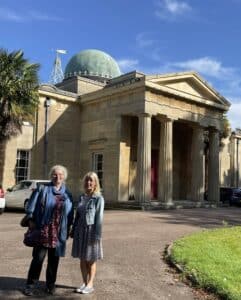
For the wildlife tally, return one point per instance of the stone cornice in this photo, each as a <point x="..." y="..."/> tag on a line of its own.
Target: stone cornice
<point x="55" y="93"/>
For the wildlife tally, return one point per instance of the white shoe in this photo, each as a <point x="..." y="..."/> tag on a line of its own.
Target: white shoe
<point x="87" y="290"/>
<point x="80" y="289"/>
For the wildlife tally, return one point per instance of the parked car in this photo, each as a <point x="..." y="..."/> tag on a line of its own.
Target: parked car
<point x="18" y="196"/>
<point x="2" y="200"/>
<point x="230" y="195"/>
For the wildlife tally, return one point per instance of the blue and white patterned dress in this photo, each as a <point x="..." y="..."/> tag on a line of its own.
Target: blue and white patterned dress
<point x="85" y="246"/>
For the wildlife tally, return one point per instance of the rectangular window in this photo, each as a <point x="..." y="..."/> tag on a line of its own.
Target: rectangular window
<point x="97" y="166"/>
<point x="22" y="165"/>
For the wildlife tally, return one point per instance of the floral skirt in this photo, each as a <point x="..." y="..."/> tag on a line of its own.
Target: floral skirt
<point x="85" y="247"/>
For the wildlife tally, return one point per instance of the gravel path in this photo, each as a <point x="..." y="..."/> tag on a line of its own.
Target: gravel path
<point x="132" y="268"/>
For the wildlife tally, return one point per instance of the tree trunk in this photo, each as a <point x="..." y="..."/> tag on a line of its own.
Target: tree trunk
<point x="2" y="158"/>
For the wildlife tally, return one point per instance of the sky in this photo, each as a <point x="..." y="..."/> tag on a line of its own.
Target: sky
<point x="150" y="36"/>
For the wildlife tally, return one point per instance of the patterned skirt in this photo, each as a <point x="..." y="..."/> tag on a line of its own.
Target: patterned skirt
<point x="85" y="247"/>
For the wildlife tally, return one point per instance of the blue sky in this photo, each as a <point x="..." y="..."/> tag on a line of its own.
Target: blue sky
<point x="151" y="36"/>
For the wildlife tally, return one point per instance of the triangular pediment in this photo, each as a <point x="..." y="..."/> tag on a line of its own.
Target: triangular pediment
<point x="188" y="84"/>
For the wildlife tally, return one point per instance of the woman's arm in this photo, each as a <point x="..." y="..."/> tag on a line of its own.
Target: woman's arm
<point x="99" y="217"/>
<point x="32" y="202"/>
<point x="75" y="219"/>
<point x="71" y="211"/>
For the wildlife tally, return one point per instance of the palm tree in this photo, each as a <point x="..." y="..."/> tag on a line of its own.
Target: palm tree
<point x="18" y="96"/>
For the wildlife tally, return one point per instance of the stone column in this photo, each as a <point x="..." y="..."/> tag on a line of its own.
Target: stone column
<point x="143" y="189"/>
<point x="197" y="164"/>
<point x="165" y="180"/>
<point x="233" y="160"/>
<point x="213" y="166"/>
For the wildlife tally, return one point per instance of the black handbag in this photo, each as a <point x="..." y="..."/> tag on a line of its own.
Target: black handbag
<point x="24" y="221"/>
<point x="32" y="237"/>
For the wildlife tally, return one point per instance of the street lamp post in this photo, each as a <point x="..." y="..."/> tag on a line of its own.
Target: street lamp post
<point x="47" y="103"/>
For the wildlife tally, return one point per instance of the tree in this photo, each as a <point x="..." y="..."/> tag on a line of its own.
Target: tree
<point x="18" y="96"/>
<point x="226" y="127"/>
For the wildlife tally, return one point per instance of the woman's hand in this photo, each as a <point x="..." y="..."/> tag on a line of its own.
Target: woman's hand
<point x="71" y="233"/>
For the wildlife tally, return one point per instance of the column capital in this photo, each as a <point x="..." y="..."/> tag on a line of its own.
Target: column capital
<point x="164" y="119"/>
<point x="143" y="115"/>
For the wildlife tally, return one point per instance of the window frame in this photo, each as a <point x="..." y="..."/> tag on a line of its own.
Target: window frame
<point x="95" y="167"/>
<point x="22" y="164"/>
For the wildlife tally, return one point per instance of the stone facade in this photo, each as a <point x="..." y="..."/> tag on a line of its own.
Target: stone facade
<point x="23" y="142"/>
<point x="148" y="131"/>
<point x="143" y="134"/>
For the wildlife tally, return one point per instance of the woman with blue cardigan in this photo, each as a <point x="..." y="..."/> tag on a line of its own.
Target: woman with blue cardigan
<point x="50" y="210"/>
<point x="87" y="233"/>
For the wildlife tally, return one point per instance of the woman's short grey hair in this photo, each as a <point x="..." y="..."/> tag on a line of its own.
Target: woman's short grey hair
<point x="60" y="168"/>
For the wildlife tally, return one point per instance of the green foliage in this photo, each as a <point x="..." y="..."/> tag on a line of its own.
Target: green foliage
<point x="226" y="127"/>
<point x="18" y="91"/>
<point x="212" y="259"/>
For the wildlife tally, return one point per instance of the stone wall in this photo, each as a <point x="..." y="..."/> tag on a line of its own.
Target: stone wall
<point x="24" y="141"/>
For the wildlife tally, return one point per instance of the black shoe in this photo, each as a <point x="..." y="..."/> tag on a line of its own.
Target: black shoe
<point x="50" y="290"/>
<point x="29" y="290"/>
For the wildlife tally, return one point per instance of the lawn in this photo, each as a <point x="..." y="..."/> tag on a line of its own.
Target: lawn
<point x="212" y="258"/>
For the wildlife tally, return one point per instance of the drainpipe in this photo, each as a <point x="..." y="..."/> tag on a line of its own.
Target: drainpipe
<point x="47" y="103"/>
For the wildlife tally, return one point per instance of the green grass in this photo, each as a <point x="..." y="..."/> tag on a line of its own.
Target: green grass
<point x="213" y="260"/>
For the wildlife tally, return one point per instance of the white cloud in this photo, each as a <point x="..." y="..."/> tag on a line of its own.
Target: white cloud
<point x="150" y="46"/>
<point x="9" y="15"/>
<point x="34" y="15"/>
<point x="143" y="40"/>
<point x="171" y="9"/>
<point x="206" y="66"/>
<point x="127" y="65"/>
<point x="234" y="114"/>
<point x="14" y="16"/>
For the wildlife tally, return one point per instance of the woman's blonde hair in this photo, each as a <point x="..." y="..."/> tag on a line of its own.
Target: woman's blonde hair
<point x="94" y="176"/>
<point x="61" y="168"/>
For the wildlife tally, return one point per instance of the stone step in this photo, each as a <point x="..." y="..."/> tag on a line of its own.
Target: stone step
<point x="155" y="205"/>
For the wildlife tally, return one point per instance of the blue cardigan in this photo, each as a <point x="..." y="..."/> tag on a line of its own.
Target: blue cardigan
<point x="41" y="206"/>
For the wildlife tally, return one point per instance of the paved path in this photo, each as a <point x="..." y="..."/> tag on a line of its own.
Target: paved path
<point x="133" y="268"/>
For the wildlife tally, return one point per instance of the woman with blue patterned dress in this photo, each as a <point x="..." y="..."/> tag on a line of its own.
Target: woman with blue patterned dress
<point x="50" y="210"/>
<point x="87" y="231"/>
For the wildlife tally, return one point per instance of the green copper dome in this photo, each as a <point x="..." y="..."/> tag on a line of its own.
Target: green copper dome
<point x="92" y="64"/>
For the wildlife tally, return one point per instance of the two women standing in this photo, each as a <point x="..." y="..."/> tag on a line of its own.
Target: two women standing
<point x="50" y="210"/>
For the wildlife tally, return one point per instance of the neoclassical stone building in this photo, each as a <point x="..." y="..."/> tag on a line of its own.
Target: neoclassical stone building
<point x="143" y="134"/>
